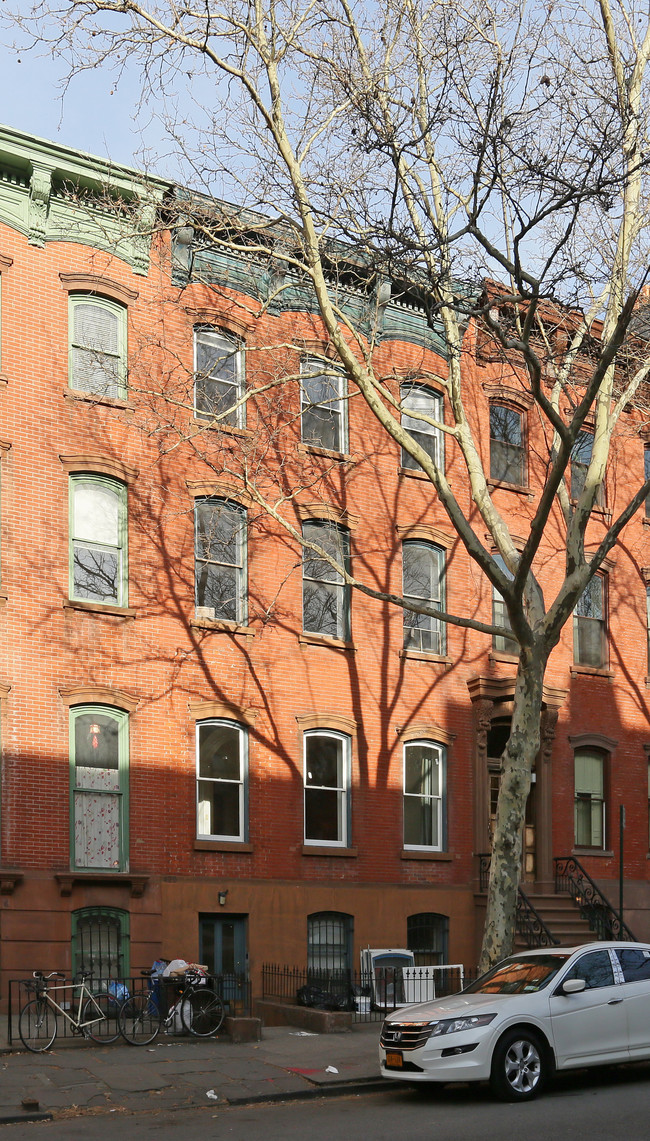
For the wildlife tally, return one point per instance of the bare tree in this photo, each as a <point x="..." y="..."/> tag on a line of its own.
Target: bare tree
<point x="487" y="161"/>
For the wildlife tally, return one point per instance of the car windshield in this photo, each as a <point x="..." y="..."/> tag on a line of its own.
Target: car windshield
<point x="518" y="975"/>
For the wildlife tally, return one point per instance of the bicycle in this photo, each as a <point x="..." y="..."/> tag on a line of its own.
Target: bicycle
<point x="96" y="1014"/>
<point x="201" y="1011"/>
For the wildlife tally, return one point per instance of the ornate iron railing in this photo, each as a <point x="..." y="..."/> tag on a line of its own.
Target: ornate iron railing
<point x="571" y="877"/>
<point x="529" y="924"/>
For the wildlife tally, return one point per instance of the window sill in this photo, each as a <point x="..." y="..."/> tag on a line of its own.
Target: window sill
<point x="220" y="625"/>
<point x="508" y="659"/>
<point x="216" y="425"/>
<point x="326" y="850"/>
<point x="411" y="474"/>
<point x="9" y="880"/>
<point x="3" y="597"/>
<point x="600" y="852"/>
<point x="426" y="656"/>
<point x="326" y="453"/>
<point x="325" y="640"/>
<point x="222" y="846"/>
<point x="591" y="671"/>
<point x="423" y="854"/>
<point x="136" y="881"/>
<point x="645" y="519"/>
<point x="99" y="608"/>
<point x="604" y="512"/>
<point x="96" y="398"/>
<point x="518" y="488"/>
<point x="4" y="380"/>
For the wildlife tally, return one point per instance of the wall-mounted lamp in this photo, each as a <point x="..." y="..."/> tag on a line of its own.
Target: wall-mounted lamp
<point x="223" y="896"/>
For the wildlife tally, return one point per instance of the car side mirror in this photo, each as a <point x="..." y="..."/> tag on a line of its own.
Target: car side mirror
<point x="573" y="986"/>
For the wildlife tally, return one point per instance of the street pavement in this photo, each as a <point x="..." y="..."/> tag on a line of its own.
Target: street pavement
<point x="176" y="1073"/>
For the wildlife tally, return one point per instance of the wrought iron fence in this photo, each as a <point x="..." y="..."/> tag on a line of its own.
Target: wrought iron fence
<point x="234" y="989"/>
<point x="368" y="997"/>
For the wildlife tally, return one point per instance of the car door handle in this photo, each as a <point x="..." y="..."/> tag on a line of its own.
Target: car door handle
<point x="614" y="1001"/>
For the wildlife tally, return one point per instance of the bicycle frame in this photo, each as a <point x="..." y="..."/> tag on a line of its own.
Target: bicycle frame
<point x="84" y="994"/>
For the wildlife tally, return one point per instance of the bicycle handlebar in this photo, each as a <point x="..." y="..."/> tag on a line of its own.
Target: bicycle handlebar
<point x="52" y="975"/>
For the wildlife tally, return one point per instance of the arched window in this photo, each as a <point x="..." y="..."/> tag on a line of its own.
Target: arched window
<point x="99" y="765"/>
<point x="419" y="402"/>
<point x="424" y="795"/>
<point x="100" y="943"/>
<point x="218" y="377"/>
<point x="221" y="780"/>
<point x="98" y="540"/>
<point x="329" y="943"/>
<point x="97" y="346"/>
<point x="423" y="567"/>
<point x="327" y="787"/>
<point x="427" y="935"/>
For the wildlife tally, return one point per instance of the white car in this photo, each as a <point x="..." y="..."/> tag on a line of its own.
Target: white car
<point x="550" y="1009"/>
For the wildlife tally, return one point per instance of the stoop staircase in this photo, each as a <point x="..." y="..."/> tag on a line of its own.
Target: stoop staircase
<point x="576" y="912"/>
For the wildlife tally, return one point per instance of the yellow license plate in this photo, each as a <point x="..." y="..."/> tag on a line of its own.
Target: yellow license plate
<point x="394" y="1061"/>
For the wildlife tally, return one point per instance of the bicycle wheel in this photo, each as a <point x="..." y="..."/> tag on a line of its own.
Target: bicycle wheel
<point x="107" y="1029"/>
<point x="37" y="1025"/>
<point x="139" y="1019"/>
<point x="202" y="1012"/>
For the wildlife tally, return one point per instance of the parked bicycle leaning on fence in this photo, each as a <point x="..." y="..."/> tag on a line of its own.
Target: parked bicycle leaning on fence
<point x="198" y="1008"/>
<point x="94" y="1016"/>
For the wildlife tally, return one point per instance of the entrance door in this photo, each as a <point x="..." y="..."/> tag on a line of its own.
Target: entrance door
<point x="496" y="742"/>
<point x="222" y="947"/>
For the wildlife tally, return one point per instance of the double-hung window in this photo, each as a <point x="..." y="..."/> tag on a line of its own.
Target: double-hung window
<point x="424" y="795"/>
<point x="506" y="445"/>
<point x="98" y="540"/>
<point x="580" y="460"/>
<point x="327" y="787"/>
<point x="99" y="744"/>
<point x="500" y="617"/>
<point x="589" y="799"/>
<point x="589" y="625"/>
<point x="423" y="568"/>
<point x="97" y="362"/>
<point x="220" y="560"/>
<point x="322" y="405"/>
<point x="218" y="377"/>
<point x="325" y="594"/>
<point x="419" y="402"/>
<point x="221" y="780"/>
<point x="646" y="475"/>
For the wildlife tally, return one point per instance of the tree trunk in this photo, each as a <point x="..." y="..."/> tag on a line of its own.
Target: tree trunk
<point x="516" y="768"/>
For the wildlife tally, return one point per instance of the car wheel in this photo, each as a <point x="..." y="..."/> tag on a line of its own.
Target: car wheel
<point x="519" y="1067"/>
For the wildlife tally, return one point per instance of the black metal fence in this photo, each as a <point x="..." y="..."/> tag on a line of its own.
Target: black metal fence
<point x="368" y="997"/>
<point x="235" y="990"/>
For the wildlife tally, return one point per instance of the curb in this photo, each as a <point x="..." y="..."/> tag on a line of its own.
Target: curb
<point x="15" y="1118"/>
<point x="332" y="1089"/>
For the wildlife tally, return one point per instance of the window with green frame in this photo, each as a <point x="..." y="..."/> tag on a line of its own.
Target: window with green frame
<point x="97" y="348"/>
<point x="100" y="943"/>
<point x="99" y="787"/>
<point x="98" y="540"/>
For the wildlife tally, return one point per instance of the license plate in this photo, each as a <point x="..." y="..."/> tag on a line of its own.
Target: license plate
<point x="394" y="1061"/>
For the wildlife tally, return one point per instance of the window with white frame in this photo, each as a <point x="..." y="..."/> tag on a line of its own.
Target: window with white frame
<point x="646" y="475"/>
<point x="220" y="560"/>
<point x="580" y="460"/>
<point x="99" y="769"/>
<point x="327" y="787"/>
<point x="97" y="332"/>
<point x="325" y="594"/>
<point x="424" y="795"/>
<point x="322" y="405"/>
<point x="590" y="626"/>
<point x="221" y="780"/>
<point x="218" y="377"/>
<point x="423" y="567"/>
<point x="420" y="406"/>
<point x="98" y="540"/>
<point x="589" y="768"/>
<point x="500" y="617"/>
<point x="507" y="456"/>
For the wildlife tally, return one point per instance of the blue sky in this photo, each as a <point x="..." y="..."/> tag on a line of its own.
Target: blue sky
<point x="94" y="115"/>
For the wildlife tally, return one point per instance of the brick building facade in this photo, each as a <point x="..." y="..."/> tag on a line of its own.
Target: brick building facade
<point x="210" y="750"/>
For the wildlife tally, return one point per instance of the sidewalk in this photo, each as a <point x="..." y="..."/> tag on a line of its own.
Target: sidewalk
<point x="177" y="1073"/>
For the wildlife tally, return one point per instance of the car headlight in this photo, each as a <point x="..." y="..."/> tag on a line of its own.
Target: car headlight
<point x="456" y="1025"/>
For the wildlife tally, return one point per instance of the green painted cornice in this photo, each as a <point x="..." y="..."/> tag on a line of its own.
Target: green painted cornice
<point x="52" y="193"/>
